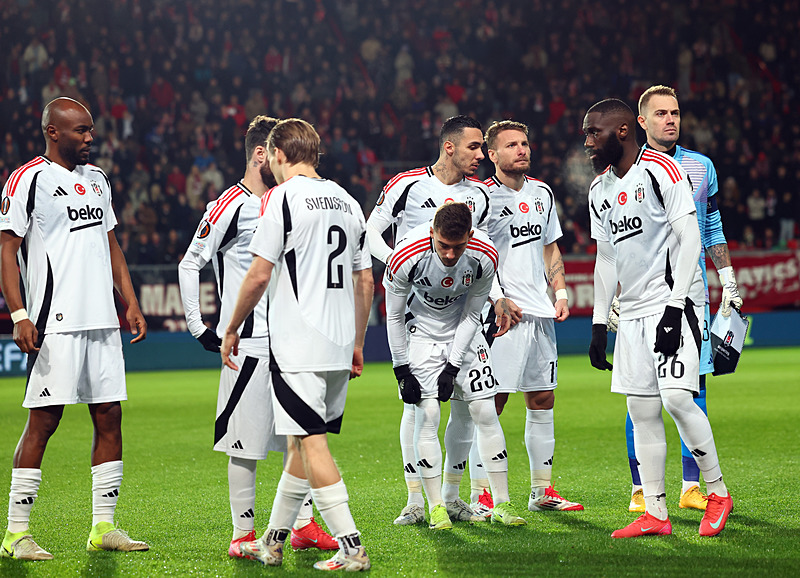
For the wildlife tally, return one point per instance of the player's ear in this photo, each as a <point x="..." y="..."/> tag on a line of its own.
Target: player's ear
<point x="622" y="131"/>
<point x="492" y="154"/>
<point x="642" y="122"/>
<point x="52" y="132"/>
<point x="471" y="232"/>
<point x="431" y="231"/>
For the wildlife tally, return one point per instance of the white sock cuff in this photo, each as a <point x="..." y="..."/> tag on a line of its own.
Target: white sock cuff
<point x="539" y="415"/>
<point x="246" y="464"/>
<point x="330" y="496"/>
<point x="107" y="468"/>
<point x="107" y="475"/>
<point x="26" y="477"/>
<point x="293" y="486"/>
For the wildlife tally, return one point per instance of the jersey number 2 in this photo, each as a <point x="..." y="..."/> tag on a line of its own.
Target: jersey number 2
<point x="336" y="272"/>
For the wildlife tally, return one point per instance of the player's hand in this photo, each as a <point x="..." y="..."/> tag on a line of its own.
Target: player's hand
<point x="137" y="323"/>
<point x="597" y="349"/>
<point x="25" y="336"/>
<point x="410" y="390"/>
<point x="668" y="332"/>
<point x="358" y="363"/>
<point x="230" y="343"/>
<point x="210" y="341"/>
<point x="613" y="316"/>
<point x="730" y="292"/>
<point x="507" y="314"/>
<point x="562" y="310"/>
<point x="447" y="381"/>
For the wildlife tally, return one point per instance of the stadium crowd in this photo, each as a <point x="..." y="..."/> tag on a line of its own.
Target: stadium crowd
<point x="173" y="85"/>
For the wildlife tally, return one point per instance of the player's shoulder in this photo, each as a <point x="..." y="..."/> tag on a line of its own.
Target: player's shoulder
<point x="534" y="184"/>
<point x="411" y="248"/>
<point x="24" y="173"/>
<point x="697" y="157"/>
<point x="662" y="166"/>
<point x="481" y="247"/>
<point x="402" y="180"/>
<point x="224" y="207"/>
<point x="476" y="183"/>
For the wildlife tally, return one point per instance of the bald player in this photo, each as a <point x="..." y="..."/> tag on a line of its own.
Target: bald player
<point x="57" y="232"/>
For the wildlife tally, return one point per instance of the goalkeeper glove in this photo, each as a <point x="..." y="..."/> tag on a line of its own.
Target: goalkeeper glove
<point x="447" y="381"/>
<point x="613" y="316"/>
<point x="597" y="349"/>
<point x="210" y="341"/>
<point x="668" y="332"/>
<point x="410" y="390"/>
<point x="730" y="292"/>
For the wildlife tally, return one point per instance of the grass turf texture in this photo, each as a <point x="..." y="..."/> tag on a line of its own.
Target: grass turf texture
<point x="174" y="494"/>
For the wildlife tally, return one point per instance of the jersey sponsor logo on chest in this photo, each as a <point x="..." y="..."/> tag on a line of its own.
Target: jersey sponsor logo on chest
<point x="627" y="227"/>
<point x="529" y="232"/>
<point x="440" y="302"/>
<point x="87" y="213"/>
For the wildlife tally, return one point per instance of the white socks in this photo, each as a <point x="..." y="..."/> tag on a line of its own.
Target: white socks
<point x="540" y="441"/>
<point x="650" y="443"/>
<point x="457" y="442"/>
<point x="106" y="480"/>
<point x="332" y="505"/>
<point x="428" y="450"/>
<point x="695" y="430"/>
<point x="411" y="473"/>
<point x="242" y="495"/>
<point x="289" y="497"/>
<point x="24" y="491"/>
<point x="492" y="447"/>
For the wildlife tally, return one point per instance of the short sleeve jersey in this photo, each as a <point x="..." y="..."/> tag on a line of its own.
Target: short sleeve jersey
<point x="521" y="223"/>
<point x="315" y="234"/>
<point x="64" y="218"/>
<point x="223" y="238"/>
<point x="437" y="293"/>
<point x="634" y="214"/>
<point x="411" y="198"/>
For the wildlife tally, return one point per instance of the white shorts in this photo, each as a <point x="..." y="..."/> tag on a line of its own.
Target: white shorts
<point x="640" y="371"/>
<point x="475" y="379"/>
<point x="76" y="367"/>
<point x="526" y="358"/>
<point x="245" y="424"/>
<point x="309" y="403"/>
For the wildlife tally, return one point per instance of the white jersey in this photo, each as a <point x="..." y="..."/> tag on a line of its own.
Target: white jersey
<point x="438" y="293"/>
<point x="315" y="234"/>
<point x="411" y="198"/>
<point x="633" y="214"/>
<point x="64" y="218"/>
<point x="521" y="223"/>
<point x="223" y="238"/>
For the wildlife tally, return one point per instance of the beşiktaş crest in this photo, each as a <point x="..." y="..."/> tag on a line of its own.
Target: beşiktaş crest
<point x="639" y="194"/>
<point x="96" y="188"/>
<point x="539" y="206"/>
<point x="483" y="355"/>
<point x="470" y="202"/>
<point x="468" y="278"/>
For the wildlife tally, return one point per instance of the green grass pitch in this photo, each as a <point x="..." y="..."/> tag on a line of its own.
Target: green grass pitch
<point x="175" y="491"/>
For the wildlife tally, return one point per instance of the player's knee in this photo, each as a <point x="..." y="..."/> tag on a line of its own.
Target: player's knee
<point x="538" y="400"/>
<point x="678" y="402"/>
<point x="483" y="413"/>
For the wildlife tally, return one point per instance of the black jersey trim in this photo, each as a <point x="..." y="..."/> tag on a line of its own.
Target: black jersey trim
<point x="287" y="218"/>
<point x="491" y="327"/>
<point x="221" y="423"/>
<point x="32" y="357"/>
<point x="291" y="266"/>
<point x="656" y="187"/>
<point x="400" y="204"/>
<point x="47" y="302"/>
<point x="32" y="195"/>
<point x="694" y="323"/>
<point x="668" y="273"/>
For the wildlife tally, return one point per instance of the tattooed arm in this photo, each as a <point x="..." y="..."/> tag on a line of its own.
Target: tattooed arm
<point x="554" y="268"/>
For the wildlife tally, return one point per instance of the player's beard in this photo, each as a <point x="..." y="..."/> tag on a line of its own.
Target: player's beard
<point x="267" y="177"/>
<point x="75" y="156"/>
<point x="512" y="168"/>
<point x="610" y="154"/>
